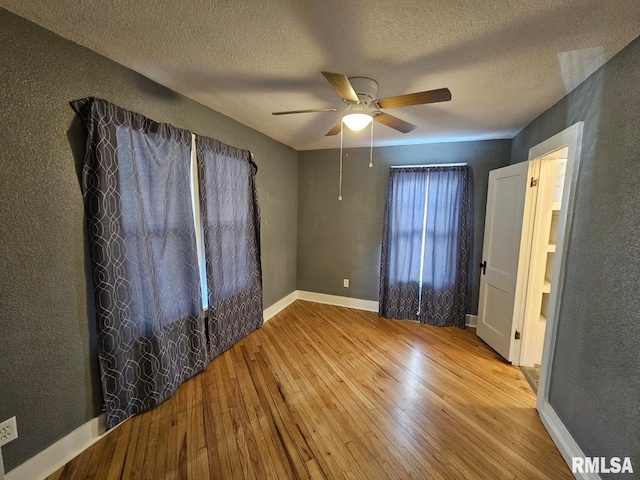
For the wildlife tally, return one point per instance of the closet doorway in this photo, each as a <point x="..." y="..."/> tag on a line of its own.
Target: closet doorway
<point x="550" y="170"/>
<point x="527" y="229"/>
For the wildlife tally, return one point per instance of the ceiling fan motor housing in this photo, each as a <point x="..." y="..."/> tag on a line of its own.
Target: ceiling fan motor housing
<point x="366" y="88"/>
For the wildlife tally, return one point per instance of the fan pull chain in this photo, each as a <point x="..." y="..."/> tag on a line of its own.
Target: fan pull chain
<point x="371" y="150"/>
<point x="340" y="185"/>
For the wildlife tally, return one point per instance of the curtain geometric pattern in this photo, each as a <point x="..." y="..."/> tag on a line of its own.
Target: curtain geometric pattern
<point x="151" y="330"/>
<point x="402" y="244"/>
<point x="231" y="223"/>
<point x="426" y="245"/>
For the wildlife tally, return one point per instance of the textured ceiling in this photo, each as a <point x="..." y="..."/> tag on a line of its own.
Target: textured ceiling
<point x="505" y="61"/>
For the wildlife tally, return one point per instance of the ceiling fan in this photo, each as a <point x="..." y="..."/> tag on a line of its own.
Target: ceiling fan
<point x="359" y="93"/>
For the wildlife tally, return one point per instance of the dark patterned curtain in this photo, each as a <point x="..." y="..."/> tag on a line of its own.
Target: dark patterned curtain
<point x="151" y="331"/>
<point x="425" y="245"/>
<point x="231" y="221"/>
<point x="402" y="244"/>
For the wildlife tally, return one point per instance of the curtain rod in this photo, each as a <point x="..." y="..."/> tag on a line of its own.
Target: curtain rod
<point x="432" y="165"/>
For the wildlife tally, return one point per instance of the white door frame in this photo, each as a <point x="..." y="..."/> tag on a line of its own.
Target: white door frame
<point x="571" y="138"/>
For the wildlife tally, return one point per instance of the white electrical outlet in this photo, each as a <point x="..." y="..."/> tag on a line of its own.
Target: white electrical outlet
<point x="345" y="283"/>
<point x="8" y="431"/>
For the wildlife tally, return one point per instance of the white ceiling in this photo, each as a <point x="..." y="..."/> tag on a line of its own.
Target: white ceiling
<point x="504" y="61"/>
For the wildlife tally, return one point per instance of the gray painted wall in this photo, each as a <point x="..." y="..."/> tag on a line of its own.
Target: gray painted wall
<point x="338" y="240"/>
<point x="595" y="381"/>
<point x="48" y="372"/>
<point x="48" y="369"/>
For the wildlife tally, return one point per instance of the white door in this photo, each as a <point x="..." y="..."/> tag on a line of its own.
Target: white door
<point x="503" y="242"/>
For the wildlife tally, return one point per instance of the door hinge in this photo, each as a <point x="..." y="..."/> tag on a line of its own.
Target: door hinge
<point x="534" y="182"/>
<point x="517" y="335"/>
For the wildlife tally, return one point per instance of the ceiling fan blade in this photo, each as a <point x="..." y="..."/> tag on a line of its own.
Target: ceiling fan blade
<point x="394" y="122"/>
<point x="418" y="98"/>
<point x="335" y="129"/>
<point x="341" y="84"/>
<point x="306" y="111"/>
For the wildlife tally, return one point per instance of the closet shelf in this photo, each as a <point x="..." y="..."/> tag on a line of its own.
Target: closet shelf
<point x="551" y="248"/>
<point x="556" y="206"/>
<point x="546" y="288"/>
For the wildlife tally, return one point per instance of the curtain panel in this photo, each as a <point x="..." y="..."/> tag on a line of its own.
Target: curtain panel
<point x="402" y="244"/>
<point x="151" y="329"/>
<point x="426" y="245"/>
<point x="231" y="223"/>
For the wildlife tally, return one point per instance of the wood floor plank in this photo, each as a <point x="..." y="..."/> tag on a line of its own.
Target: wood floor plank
<point x="116" y="462"/>
<point x="162" y="445"/>
<point x="296" y="450"/>
<point x="496" y="466"/>
<point x="274" y="464"/>
<point x="323" y="392"/>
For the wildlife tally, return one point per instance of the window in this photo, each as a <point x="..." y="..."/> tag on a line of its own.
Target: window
<point x="197" y="221"/>
<point x="425" y="243"/>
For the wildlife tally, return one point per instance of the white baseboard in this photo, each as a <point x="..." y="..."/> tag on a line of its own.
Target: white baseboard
<point x="563" y="439"/>
<point x="471" y="321"/>
<point x="60" y="453"/>
<point x="280" y="305"/>
<point x="357" y="303"/>
<point x="55" y="456"/>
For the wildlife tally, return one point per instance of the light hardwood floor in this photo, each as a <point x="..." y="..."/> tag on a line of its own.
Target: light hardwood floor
<point x="328" y="392"/>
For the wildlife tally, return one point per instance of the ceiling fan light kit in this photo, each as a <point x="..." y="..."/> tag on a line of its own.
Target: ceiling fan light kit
<point x="357" y="121"/>
<point x="360" y="93"/>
